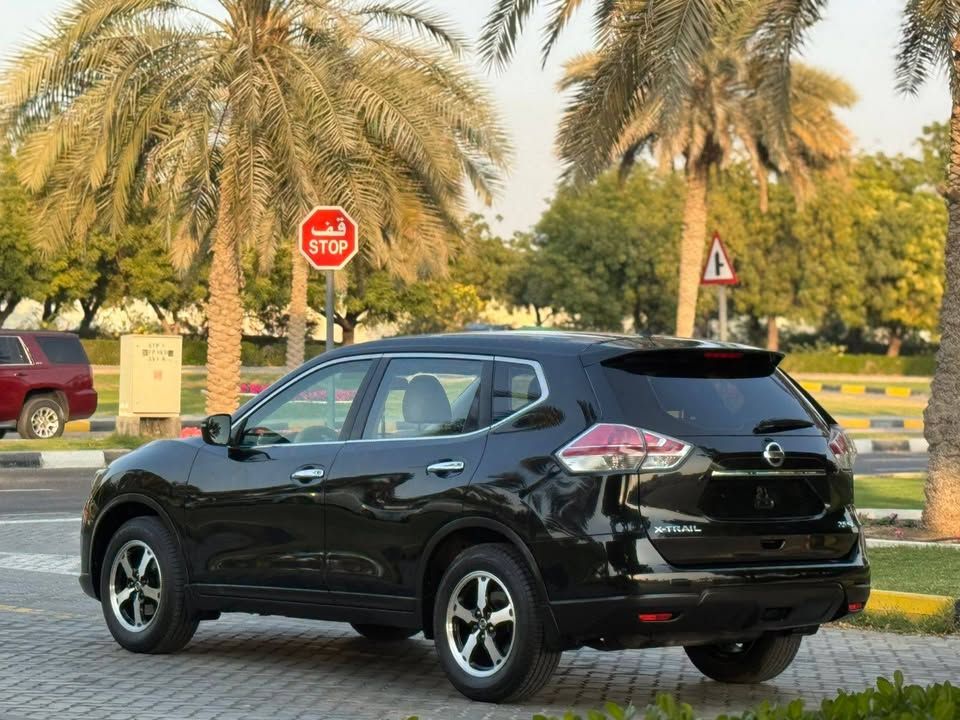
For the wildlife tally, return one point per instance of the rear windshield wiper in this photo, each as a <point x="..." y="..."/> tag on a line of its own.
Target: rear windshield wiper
<point x="774" y="425"/>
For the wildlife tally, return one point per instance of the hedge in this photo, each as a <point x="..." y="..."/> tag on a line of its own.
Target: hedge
<point x="254" y="352"/>
<point x="823" y="362"/>
<point x="887" y="701"/>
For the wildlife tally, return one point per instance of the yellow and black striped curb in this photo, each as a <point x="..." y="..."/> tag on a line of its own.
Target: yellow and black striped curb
<point x="857" y="389"/>
<point x="912" y="605"/>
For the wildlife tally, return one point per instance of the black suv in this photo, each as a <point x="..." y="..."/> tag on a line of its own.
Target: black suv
<point x="510" y="495"/>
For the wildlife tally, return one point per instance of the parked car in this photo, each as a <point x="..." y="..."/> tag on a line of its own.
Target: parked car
<point x="510" y="495"/>
<point x="45" y="380"/>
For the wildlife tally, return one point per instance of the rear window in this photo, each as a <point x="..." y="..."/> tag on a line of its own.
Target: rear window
<point x="62" y="350"/>
<point x="701" y="395"/>
<point x="11" y="351"/>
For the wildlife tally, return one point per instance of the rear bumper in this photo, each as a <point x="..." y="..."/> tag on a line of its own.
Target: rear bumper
<point x="83" y="404"/>
<point x="705" y="615"/>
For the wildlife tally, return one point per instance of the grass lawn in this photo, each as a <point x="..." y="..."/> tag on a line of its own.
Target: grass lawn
<point x="932" y="571"/>
<point x="871" y="406"/>
<point x="900" y="492"/>
<point x="109" y="442"/>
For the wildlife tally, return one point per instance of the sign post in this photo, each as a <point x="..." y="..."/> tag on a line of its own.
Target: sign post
<point x="329" y="240"/>
<point x="719" y="271"/>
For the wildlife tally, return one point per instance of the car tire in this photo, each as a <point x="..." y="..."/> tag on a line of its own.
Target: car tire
<point x="41" y="418"/>
<point x="148" y="612"/>
<point x="743" y="663"/>
<point x="512" y="620"/>
<point x="384" y="633"/>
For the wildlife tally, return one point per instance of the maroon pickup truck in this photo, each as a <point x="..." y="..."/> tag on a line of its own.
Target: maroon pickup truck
<point x="45" y="380"/>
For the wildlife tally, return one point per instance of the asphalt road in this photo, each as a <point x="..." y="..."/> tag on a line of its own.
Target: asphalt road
<point x="885" y="463"/>
<point x="57" y="659"/>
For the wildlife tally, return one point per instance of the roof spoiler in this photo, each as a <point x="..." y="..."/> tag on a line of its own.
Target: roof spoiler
<point x="702" y="361"/>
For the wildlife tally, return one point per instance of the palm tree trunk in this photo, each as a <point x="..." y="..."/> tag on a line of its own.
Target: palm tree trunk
<point x="896" y="342"/>
<point x="224" y="322"/>
<point x="691" y="249"/>
<point x="297" y="324"/>
<point x="773" y="333"/>
<point x="941" y="513"/>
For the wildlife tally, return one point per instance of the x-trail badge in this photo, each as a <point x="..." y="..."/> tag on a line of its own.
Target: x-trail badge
<point x="774" y="454"/>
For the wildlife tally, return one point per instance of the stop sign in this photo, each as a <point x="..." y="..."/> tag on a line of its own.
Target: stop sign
<point x="328" y="238"/>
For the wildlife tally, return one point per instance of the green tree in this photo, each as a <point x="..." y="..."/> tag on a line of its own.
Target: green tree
<point x="233" y="126"/>
<point x="19" y="262"/>
<point x="606" y="252"/>
<point x="901" y="230"/>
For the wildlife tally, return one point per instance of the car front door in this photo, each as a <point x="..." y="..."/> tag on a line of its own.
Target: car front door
<point x="14" y="364"/>
<point x="253" y="509"/>
<point x="403" y="474"/>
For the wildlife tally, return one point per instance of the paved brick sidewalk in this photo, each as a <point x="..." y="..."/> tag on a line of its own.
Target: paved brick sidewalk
<point x="61" y="665"/>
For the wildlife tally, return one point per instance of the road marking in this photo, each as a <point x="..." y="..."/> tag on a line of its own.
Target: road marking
<point x="35" y="611"/>
<point x="33" y="562"/>
<point x="21" y="490"/>
<point x="40" y="520"/>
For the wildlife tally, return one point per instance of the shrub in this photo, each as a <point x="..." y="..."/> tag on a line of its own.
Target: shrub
<point x="254" y="352"/>
<point x="827" y="362"/>
<point x="887" y="701"/>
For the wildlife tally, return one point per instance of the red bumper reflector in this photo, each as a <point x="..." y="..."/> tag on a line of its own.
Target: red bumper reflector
<point x="655" y="617"/>
<point x="855" y="607"/>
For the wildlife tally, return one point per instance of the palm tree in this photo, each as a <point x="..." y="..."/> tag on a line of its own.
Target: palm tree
<point x="721" y="115"/>
<point x="930" y="41"/>
<point x="234" y="124"/>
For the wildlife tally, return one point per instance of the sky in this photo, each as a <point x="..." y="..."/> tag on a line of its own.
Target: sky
<point x="856" y="40"/>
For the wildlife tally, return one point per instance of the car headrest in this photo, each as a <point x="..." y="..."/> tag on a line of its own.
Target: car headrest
<point x="425" y="401"/>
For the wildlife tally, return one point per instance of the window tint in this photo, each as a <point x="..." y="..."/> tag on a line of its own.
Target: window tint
<point x="11" y="352"/>
<point x="311" y="410"/>
<point x="515" y="386"/>
<point x="426" y="397"/>
<point x="716" y="405"/>
<point x="62" y="350"/>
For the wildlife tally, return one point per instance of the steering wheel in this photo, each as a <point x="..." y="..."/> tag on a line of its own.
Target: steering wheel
<point x="265" y="436"/>
<point x="318" y="433"/>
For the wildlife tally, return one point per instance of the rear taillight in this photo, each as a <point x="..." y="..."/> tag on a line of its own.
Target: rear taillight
<point x="843" y="449"/>
<point x="609" y="447"/>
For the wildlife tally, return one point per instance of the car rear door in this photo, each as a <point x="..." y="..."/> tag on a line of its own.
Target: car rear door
<point x="14" y="367"/>
<point x="763" y="483"/>
<point x="402" y="475"/>
<point x="253" y="510"/>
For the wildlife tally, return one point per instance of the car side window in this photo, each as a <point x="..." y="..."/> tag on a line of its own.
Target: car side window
<point x="311" y="410"/>
<point x="11" y="351"/>
<point x="515" y="386"/>
<point x="426" y="397"/>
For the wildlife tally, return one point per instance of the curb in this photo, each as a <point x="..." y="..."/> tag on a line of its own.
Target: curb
<point x="881" y="542"/>
<point x="912" y="445"/>
<point x="881" y="423"/>
<point x="110" y="424"/>
<point x="60" y="459"/>
<point x="855" y="389"/>
<point x="881" y="513"/>
<point x="913" y="605"/>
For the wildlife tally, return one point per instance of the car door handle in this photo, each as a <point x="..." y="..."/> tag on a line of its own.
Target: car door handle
<point x="446" y="467"/>
<point x="306" y="475"/>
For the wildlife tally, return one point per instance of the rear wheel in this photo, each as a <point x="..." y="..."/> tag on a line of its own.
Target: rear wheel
<point x="384" y="633"/>
<point x="42" y="418"/>
<point x="488" y="628"/>
<point x="748" y="662"/>
<point x="143" y="589"/>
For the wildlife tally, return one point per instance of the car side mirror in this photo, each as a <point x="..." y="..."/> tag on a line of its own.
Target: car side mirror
<point x="216" y="429"/>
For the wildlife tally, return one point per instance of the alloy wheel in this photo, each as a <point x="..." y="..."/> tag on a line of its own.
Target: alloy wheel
<point x="480" y="624"/>
<point x="45" y="422"/>
<point x="135" y="583"/>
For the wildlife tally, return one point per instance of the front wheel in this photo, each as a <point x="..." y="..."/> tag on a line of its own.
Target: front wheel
<point x="143" y="589"/>
<point x="488" y="627"/>
<point x="748" y="662"/>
